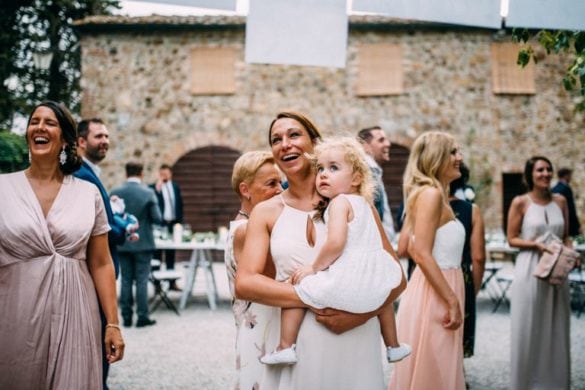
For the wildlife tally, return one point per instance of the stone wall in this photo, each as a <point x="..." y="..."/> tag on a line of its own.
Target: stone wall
<point x="138" y="81"/>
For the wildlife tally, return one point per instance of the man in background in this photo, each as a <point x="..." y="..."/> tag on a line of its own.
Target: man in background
<point x="170" y="203"/>
<point x="377" y="148"/>
<point x="135" y="256"/>
<point x="92" y="145"/>
<point x="562" y="187"/>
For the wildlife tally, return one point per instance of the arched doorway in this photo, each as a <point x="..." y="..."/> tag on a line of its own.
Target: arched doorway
<point x="204" y="176"/>
<point x="393" y="173"/>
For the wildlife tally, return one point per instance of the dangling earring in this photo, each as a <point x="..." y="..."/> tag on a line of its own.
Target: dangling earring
<point x="29" y="158"/>
<point x="62" y="156"/>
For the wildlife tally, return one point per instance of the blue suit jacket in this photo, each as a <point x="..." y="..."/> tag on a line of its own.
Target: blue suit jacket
<point x="567" y="192"/>
<point x="117" y="235"/>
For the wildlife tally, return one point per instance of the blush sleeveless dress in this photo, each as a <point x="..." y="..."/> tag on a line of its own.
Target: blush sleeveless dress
<point x="363" y="276"/>
<point x="436" y="361"/>
<point x="50" y="328"/>
<point x="326" y="361"/>
<point x="540" y="312"/>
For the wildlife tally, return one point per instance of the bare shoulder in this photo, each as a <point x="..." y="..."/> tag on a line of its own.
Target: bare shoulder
<point x="267" y="210"/>
<point x="240" y="232"/>
<point x="519" y="202"/>
<point x="475" y="210"/>
<point x="429" y="196"/>
<point x="560" y="200"/>
<point x="339" y="202"/>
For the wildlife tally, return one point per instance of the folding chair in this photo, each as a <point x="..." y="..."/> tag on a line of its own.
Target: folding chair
<point x="162" y="281"/>
<point x="503" y="282"/>
<point x="491" y="269"/>
<point x="577" y="286"/>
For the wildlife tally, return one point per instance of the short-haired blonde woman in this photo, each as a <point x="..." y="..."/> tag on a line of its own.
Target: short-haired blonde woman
<point x="255" y="178"/>
<point x="429" y="317"/>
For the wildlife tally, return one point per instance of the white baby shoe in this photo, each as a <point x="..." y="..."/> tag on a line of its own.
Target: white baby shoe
<point x="284" y="356"/>
<point x="398" y="353"/>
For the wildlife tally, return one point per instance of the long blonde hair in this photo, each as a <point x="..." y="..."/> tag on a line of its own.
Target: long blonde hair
<point x="429" y="154"/>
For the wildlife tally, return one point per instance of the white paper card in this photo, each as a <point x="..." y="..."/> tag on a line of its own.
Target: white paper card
<point x="300" y="32"/>
<point x="480" y="13"/>
<point x="547" y="14"/>
<point x="228" y="5"/>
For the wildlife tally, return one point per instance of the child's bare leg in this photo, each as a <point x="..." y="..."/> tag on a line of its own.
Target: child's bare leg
<point x="388" y="325"/>
<point x="290" y="323"/>
<point x="395" y="351"/>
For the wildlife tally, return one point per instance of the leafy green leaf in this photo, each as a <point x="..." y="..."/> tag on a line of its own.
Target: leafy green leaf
<point x="13" y="152"/>
<point x="579" y="41"/>
<point x="523" y="57"/>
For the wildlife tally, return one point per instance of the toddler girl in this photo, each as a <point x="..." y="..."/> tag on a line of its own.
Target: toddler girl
<point x="353" y="272"/>
<point x="124" y="219"/>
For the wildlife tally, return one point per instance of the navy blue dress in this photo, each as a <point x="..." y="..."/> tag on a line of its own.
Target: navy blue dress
<point x="463" y="211"/>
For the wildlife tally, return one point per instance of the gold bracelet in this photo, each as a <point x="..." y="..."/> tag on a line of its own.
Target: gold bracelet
<point x="113" y="326"/>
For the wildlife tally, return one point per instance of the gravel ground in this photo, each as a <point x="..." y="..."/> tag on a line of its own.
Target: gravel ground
<point x="196" y="349"/>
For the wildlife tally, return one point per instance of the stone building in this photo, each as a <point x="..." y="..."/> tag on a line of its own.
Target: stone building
<point x="177" y="90"/>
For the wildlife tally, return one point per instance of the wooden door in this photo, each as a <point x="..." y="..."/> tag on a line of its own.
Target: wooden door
<point x="393" y="173"/>
<point x="204" y="176"/>
<point x="512" y="184"/>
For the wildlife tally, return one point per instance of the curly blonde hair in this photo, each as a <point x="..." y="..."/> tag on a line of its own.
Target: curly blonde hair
<point x="429" y="155"/>
<point x="354" y="154"/>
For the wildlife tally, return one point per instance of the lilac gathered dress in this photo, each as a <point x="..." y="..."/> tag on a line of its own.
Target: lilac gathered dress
<point x="50" y="329"/>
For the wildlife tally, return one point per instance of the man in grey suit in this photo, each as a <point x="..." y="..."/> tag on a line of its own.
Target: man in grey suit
<point x="135" y="256"/>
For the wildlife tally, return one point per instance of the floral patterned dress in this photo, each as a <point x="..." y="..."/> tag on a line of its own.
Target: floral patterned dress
<point x="251" y="324"/>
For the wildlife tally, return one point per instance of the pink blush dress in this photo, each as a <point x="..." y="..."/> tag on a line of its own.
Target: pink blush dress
<point x="437" y="353"/>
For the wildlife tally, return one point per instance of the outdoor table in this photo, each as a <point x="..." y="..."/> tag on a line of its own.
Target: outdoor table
<point x="501" y="251"/>
<point x="200" y="257"/>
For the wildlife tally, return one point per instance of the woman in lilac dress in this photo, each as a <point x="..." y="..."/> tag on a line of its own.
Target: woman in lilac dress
<point x="54" y="266"/>
<point x="540" y="311"/>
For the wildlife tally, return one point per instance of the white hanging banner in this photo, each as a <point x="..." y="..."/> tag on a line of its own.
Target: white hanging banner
<point x="547" y="14"/>
<point x="480" y="13"/>
<point x="300" y="32"/>
<point x="227" y="5"/>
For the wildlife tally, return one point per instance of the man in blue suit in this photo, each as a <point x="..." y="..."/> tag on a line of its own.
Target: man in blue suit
<point x="93" y="143"/>
<point x="135" y="256"/>
<point x="170" y="203"/>
<point x="563" y="187"/>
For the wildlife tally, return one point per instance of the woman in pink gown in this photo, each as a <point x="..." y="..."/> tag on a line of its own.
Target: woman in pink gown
<point x="281" y="229"/>
<point x="429" y="317"/>
<point x="54" y="266"/>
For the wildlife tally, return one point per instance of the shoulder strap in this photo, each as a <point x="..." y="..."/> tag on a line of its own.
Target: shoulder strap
<point x="282" y="199"/>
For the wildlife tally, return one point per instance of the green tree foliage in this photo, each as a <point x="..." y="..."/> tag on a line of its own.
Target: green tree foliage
<point x="35" y="26"/>
<point x="13" y="152"/>
<point x="572" y="42"/>
<point x="9" y="36"/>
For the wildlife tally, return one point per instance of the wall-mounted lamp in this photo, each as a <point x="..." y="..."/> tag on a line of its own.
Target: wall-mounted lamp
<point x="42" y="59"/>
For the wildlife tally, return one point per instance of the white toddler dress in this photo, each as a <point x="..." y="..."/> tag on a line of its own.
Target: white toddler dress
<point x="361" y="279"/>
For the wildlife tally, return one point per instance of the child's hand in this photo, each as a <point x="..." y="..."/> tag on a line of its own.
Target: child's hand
<point x="133" y="237"/>
<point x="301" y="272"/>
